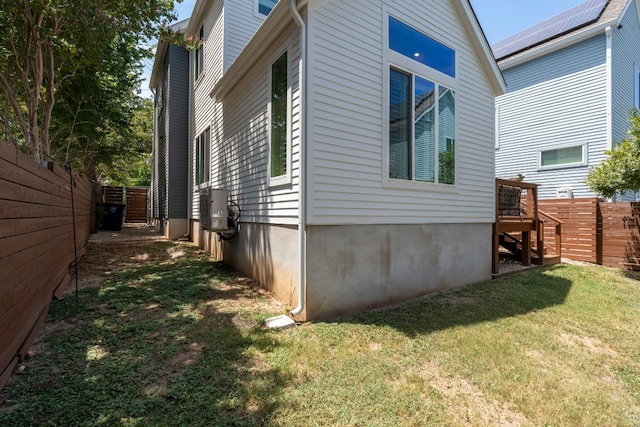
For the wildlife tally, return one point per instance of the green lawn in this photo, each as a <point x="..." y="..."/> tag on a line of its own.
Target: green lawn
<point x="176" y="340"/>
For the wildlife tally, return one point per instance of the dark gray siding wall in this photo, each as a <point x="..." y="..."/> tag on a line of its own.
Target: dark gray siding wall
<point x="178" y="132"/>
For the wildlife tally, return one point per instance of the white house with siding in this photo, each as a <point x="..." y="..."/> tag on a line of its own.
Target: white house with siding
<point x="357" y="139"/>
<point x="571" y="82"/>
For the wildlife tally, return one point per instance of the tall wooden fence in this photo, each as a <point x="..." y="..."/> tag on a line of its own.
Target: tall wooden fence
<point x="36" y="246"/>
<point x="599" y="232"/>
<point x="135" y="199"/>
<point x="582" y="228"/>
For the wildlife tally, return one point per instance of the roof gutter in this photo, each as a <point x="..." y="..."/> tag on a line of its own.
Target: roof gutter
<point x="302" y="169"/>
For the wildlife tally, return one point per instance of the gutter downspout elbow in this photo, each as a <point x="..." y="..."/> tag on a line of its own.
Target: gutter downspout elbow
<point x="302" y="209"/>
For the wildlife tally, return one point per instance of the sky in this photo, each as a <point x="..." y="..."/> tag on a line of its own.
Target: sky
<point x="498" y="18"/>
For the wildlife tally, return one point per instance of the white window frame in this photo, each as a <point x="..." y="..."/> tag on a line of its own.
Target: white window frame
<point x="584" y="162"/>
<point x="286" y="178"/>
<point x="392" y="59"/>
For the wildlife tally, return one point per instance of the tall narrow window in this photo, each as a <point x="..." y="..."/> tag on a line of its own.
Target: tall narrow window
<point x="202" y="157"/>
<point x="199" y="56"/>
<point x="279" y="117"/>
<point x="424" y="125"/>
<point x="399" y="126"/>
<point x="446" y="135"/>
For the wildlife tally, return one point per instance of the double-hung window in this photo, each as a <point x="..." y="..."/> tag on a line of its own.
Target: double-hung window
<point x="198" y="65"/>
<point x="279" y="122"/>
<point x="202" y="157"/>
<point x="421" y="110"/>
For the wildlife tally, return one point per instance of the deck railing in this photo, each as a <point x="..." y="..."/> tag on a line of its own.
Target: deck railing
<point x="518" y="217"/>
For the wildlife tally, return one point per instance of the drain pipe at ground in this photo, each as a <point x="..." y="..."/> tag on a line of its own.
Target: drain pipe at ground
<point x="302" y="209"/>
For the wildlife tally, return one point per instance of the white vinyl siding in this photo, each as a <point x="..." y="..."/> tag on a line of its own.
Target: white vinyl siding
<point x="348" y="75"/>
<point x="204" y="112"/>
<point x="242" y="146"/>
<point x="559" y="100"/>
<point x="241" y="22"/>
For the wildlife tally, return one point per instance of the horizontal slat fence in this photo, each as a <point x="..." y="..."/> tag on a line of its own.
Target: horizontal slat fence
<point x="581" y="228"/>
<point x="36" y="246"/>
<point x="135" y="199"/>
<point x="620" y="235"/>
<point x="137" y="205"/>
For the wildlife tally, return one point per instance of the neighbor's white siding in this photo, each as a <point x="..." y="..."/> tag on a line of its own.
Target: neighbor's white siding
<point x="346" y="129"/>
<point x="241" y="22"/>
<point x="559" y="100"/>
<point x="626" y="61"/>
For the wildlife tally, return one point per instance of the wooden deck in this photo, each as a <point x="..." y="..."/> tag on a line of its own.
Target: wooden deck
<point x="520" y="226"/>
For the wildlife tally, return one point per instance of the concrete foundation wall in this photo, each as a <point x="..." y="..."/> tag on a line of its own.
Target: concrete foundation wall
<point x="175" y="228"/>
<point x="266" y="253"/>
<point x="353" y="268"/>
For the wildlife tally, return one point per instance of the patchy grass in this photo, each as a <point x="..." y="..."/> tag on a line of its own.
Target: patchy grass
<point x="173" y="339"/>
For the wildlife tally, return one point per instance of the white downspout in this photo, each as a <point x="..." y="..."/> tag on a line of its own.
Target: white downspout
<point x="609" y="84"/>
<point x="302" y="210"/>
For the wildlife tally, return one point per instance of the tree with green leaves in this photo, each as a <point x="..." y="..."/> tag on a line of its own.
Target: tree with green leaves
<point x="619" y="173"/>
<point x="46" y="43"/>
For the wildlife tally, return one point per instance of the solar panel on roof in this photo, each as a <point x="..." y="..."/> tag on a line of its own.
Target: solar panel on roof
<point x="579" y="16"/>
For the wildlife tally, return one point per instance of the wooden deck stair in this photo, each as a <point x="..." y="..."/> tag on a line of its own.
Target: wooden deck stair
<point x="520" y="227"/>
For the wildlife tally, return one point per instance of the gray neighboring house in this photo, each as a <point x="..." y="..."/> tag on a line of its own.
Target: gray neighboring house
<point x="571" y="82"/>
<point x="170" y="171"/>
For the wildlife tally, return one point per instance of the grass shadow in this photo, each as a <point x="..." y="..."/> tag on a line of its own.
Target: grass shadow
<point x="483" y="302"/>
<point x="165" y="342"/>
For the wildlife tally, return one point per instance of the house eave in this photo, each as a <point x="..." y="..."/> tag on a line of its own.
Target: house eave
<point x="481" y="45"/>
<point x="270" y="30"/>
<point x="556" y="45"/>
<point x="161" y="52"/>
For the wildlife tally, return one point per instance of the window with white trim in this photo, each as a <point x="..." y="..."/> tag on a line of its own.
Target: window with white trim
<point x="279" y="122"/>
<point x="422" y="125"/>
<point x="198" y="54"/>
<point x="563" y="157"/>
<point x="264" y="7"/>
<point x="202" y="145"/>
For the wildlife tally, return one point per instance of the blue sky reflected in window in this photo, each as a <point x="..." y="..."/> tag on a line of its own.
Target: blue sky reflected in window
<point x="418" y="46"/>
<point x="265" y="6"/>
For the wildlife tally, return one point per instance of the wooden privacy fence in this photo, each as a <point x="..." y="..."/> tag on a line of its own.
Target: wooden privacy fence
<point x="36" y="246"/>
<point x="600" y="232"/>
<point x="581" y="228"/>
<point x="135" y="199"/>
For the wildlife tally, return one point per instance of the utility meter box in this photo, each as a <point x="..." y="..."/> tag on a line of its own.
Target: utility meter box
<point x="214" y="209"/>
